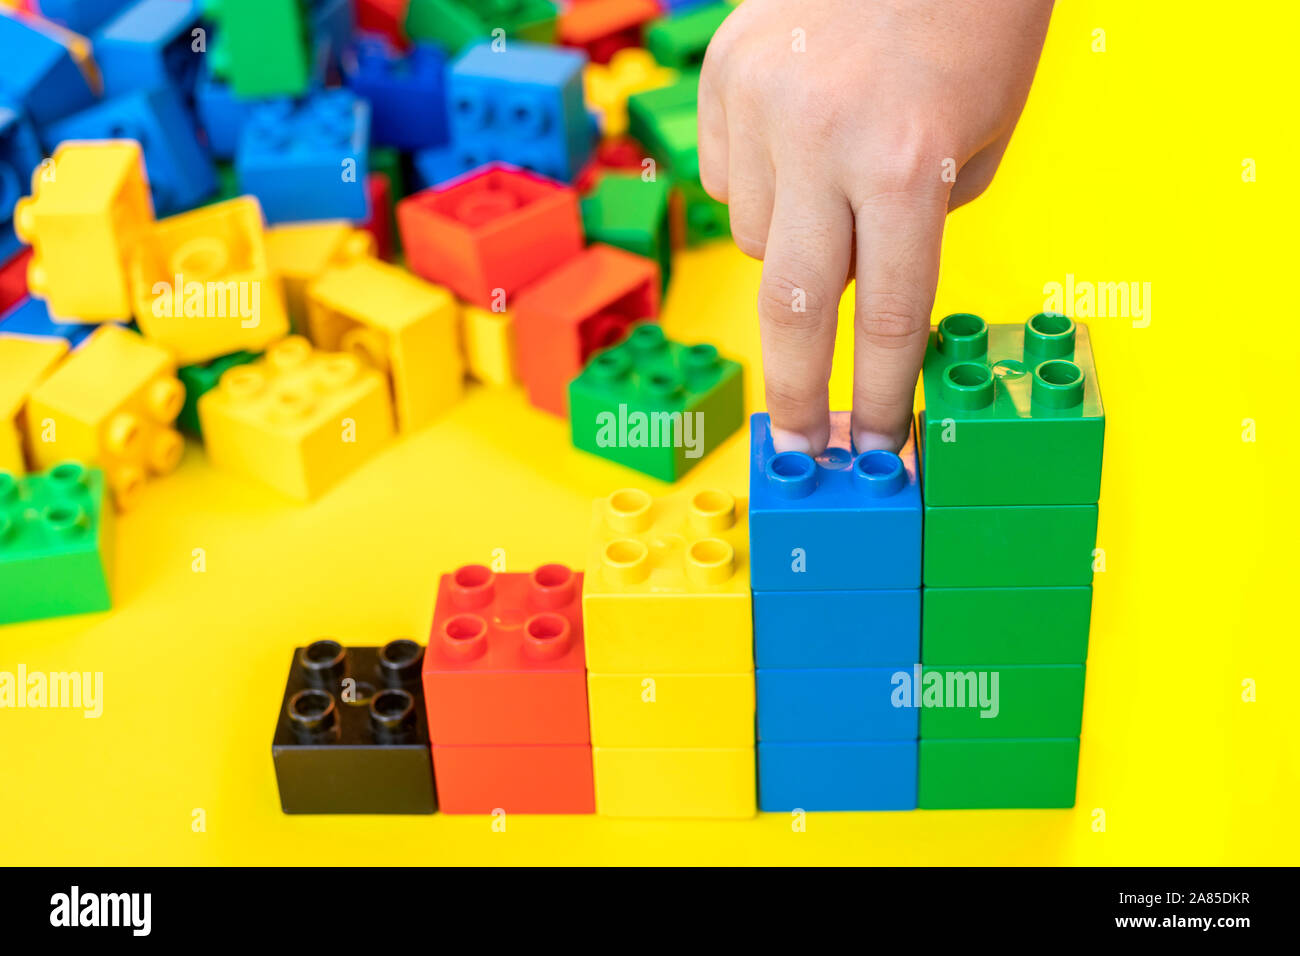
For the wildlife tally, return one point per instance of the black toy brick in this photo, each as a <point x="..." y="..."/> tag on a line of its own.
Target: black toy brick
<point x="353" y="735"/>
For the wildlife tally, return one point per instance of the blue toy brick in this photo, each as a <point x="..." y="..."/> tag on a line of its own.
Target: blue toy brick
<point x="861" y="775"/>
<point x="836" y="703"/>
<point x="29" y="316"/>
<point x="180" y="173"/>
<point x="522" y="105"/>
<point x="433" y="167"/>
<point x="151" y="45"/>
<point x="840" y="522"/>
<point x="81" y="16"/>
<point x="407" y="94"/>
<point x="307" y="160"/>
<point x="20" y="153"/>
<point x="331" y="32"/>
<point x="221" y="114"/>
<point x="836" y="628"/>
<point x="39" y="77"/>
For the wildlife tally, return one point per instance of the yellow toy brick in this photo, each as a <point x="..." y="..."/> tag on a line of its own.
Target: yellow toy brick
<point x="672" y="782"/>
<point x="111" y="404"/>
<point x="89" y="208"/>
<point x="671" y="710"/>
<point x="631" y="70"/>
<point x="405" y="327"/>
<point x="299" y="252"/>
<point x="489" y="340"/>
<point x="298" y="420"/>
<point x="202" y="284"/>
<point x="24" y="362"/>
<point x="667" y="585"/>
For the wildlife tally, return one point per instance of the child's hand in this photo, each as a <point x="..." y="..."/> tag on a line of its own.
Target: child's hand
<point x="835" y="130"/>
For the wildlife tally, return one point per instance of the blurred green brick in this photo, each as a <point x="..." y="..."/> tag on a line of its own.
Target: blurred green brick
<point x="1001" y="700"/>
<point x="453" y="24"/>
<point x="200" y="379"/>
<point x="706" y="218"/>
<point x="664" y="121"/>
<point x="261" y="47"/>
<point x="1012" y="625"/>
<point x="680" y="40"/>
<point x="1009" y="546"/>
<point x="627" y="211"/>
<point x="998" y="774"/>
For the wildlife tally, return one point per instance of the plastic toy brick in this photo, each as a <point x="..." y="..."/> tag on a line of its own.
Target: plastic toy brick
<point x="24" y="362"/>
<point x="13" y="278"/>
<point x="488" y="340"/>
<point x="866" y="628"/>
<point x="505" y="662"/>
<point x="602" y="28"/>
<point x="221" y="115"/>
<point x="655" y="405"/>
<point x="453" y="24"/>
<point x="40" y="75"/>
<point x="630" y="212"/>
<point x="523" y="105"/>
<point x="86" y="213"/>
<point x="150" y="45"/>
<point x="82" y="16"/>
<point x="997" y="774"/>
<point x="111" y="403"/>
<point x="540" y="779"/>
<point x="407" y="94"/>
<point x="352" y="736"/>
<point x="401" y="325"/>
<point x="614" y="154"/>
<point x="308" y="160"/>
<point x="585" y="305"/>
<point x="301" y="252"/>
<point x="833" y="704"/>
<point x="1012" y="413"/>
<point x="203" y="287"/>
<point x="1012" y="625"/>
<point x="1010" y="546"/>
<point x="667" y="585"/>
<point x="20" y="153"/>
<point x="201" y="379"/>
<point x="705" y="217"/>
<point x="78" y="46"/>
<point x="332" y="25"/>
<point x="680" y="40"/>
<point x="609" y="84"/>
<point x="261" y="46"/>
<point x="440" y="165"/>
<point x="665" y="121"/>
<point x="297" y="420"/>
<point x="179" y="172"/>
<point x="843" y="775"/>
<point x="671" y="710"/>
<point x="488" y="235"/>
<point x="386" y="18"/>
<point x="56" y="544"/>
<point x="1027" y="700"/>
<point x="675" y="782"/>
<point x="30" y="317"/>
<point x="842" y="521"/>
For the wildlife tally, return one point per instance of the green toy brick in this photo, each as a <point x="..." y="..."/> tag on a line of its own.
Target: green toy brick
<point x="1009" y="546"/>
<point x="1012" y="625"/>
<point x="1012" y="413"/>
<point x="262" y="47"/>
<point x="680" y="40"/>
<point x="56" y="544"/>
<point x="656" y="405"/>
<point x="198" y="380"/>
<point x="998" y="774"/>
<point x="706" y="218"/>
<point x="1001" y="700"/>
<point x="627" y="211"/>
<point x="664" y="121"/>
<point x="454" y="24"/>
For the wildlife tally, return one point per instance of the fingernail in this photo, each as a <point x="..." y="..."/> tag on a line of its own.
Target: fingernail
<point x="783" y="440"/>
<point x="873" y="441"/>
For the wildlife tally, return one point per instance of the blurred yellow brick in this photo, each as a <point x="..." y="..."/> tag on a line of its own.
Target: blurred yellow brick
<point x="631" y="70"/>
<point x="89" y="208"/>
<point x="24" y="362"/>
<point x="202" y="285"/>
<point x="299" y="252"/>
<point x="489" y="340"/>
<point x="671" y="710"/>
<point x="398" y="323"/>
<point x="297" y="419"/>
<point x="111" y="403"/>
<point x="675" y="782"/>
<point x="667" y="585"/>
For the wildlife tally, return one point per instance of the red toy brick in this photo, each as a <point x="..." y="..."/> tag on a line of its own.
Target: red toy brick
<point x="386" y="17"/>
<point x="380" y="224"/>
<point x="585" y="305"/>
<point x="603" y="27"/>
<point x="505" y="663"/>
<point x="618" y="153"/>
<point x="555" y="779"/>
<point x="500" y="228"/>
<point x="13" y="279"/>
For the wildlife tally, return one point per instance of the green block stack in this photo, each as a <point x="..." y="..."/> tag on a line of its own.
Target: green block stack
<point x="1011" y="452"/>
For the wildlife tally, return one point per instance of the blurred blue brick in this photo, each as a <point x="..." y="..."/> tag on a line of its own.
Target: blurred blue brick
<point x="309" y="159"/>
<point x="30" y="317"/>
<point x="180" y="173"/>
<point x="522" y="105"/>
<point x="834" y="703"/>
<point x="221" y="114"/>
<point x="407" y="94"/>
<point x="435" y="166"/>
<point x="81" y="16"/>
<point x="836" y="628"/>
<point x="841" y="522"/>
<point x="332" y="23"/>
<point x="20" y="154"/>
<point x="861" y="775"/>
<point x="149" y="46"/>
<point x="39" y="75"/>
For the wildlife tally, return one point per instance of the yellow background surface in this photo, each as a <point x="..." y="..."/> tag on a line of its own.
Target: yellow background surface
<point x="1127" y="167"/>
